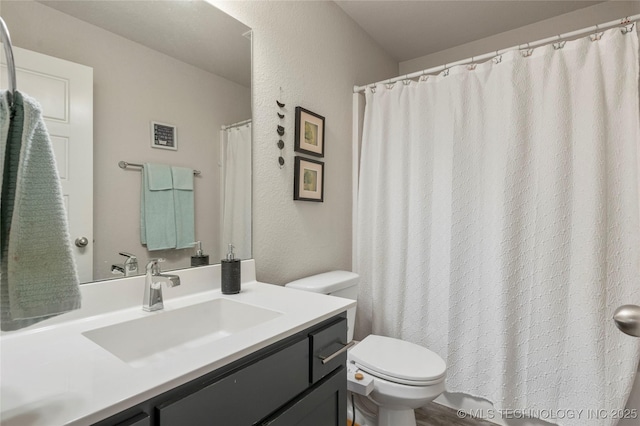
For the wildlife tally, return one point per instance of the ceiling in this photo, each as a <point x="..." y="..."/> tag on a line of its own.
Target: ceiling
<point x="404" y="29"/>
<point x="210" y="33"/>
<point x="411" y="29"/>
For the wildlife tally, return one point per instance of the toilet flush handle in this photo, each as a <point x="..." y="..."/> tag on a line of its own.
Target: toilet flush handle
<point x="326" y="359"/>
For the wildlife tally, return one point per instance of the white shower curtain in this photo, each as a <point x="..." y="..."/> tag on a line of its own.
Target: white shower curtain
<point x="236" y="190"/>
<point x="498" y="224"/>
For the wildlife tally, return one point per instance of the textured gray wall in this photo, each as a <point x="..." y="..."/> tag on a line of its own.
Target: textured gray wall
<point x="316" y="54"/>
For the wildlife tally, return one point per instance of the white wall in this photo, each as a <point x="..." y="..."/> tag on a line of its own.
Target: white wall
<point x="581" y="18"/>
<point x="309" y="54"/>
<point x="132" y="86"/>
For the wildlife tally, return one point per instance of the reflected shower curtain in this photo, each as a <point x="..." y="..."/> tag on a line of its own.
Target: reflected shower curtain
<point x="236" y="190"/>
<point x="498" y="223"/>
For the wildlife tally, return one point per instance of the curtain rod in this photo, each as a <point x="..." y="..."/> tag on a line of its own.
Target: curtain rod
<point x="238" y="124"/>
<point x="561" y="37"/>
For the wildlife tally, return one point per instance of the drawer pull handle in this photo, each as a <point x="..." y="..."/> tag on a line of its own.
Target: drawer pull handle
<point x="326" y="359"/>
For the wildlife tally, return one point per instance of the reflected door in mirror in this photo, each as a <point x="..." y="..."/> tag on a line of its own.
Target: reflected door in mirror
<point x="65" y="91"/>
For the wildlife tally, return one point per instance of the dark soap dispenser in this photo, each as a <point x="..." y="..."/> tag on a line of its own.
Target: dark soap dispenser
<point x="200" y="259"/>
<point x="230" y="273"/>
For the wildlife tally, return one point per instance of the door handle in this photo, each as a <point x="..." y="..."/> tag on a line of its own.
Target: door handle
<point x="627" y="319"/>
<point x="82" y="242"/>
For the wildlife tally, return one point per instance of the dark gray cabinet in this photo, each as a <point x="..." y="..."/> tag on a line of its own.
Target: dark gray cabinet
<point x="323" y="405"/>
<point x="285" y="384"/>
<point x="141" y="419"/>
<point x="247" y="395"/>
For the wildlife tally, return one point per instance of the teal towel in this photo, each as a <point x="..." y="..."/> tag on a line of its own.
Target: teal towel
<point x="184" y="206"/>
<point x="182" y="178"/>
<point x="38" y="277"/>
<point x="160" y="177"/>
<point x="157" y="216"/>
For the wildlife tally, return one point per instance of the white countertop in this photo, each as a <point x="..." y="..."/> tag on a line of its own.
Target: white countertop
<point x="50" y="374"/>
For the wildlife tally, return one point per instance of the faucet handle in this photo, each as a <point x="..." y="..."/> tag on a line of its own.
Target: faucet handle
<point x="131" y="264"/>
<point x="154" y="266"/>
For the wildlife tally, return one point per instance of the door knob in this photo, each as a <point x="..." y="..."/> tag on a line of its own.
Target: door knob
<point x="82" y="242"/>
<point x="627" y="319"/>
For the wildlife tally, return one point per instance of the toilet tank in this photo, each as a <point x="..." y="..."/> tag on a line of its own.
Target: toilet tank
<point x="333" y="283"/>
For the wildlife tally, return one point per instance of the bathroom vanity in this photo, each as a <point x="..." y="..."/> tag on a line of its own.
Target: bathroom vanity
<point x="283" y="384"/>
<point x="206" y="359"/>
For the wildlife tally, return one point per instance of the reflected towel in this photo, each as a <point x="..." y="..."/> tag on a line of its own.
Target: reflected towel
<point x="184" y="206"/>
<point x="38" y="277"/>
<point x="157" y="217"/>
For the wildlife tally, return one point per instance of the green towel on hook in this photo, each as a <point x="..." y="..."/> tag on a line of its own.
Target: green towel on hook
<point x="38" y="277"/>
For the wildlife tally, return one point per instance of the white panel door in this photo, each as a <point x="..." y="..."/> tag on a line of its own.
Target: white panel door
<point x="65" y="91"/>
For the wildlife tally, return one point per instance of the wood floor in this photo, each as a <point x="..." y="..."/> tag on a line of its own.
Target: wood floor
<point x="439" y="415"/>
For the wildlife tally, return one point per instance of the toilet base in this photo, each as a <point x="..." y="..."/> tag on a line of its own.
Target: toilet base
<point x="391" y="417"/>
<point x="366" y="410"/>
<point x="370" y="414"/>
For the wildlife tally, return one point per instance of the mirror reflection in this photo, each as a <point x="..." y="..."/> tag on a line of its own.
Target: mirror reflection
<point x="162" y="82"/>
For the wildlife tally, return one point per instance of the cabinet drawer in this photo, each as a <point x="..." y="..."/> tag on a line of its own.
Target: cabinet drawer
<point x="325" y="342"/>
<point x="141" y="419"/>
<point x="246" y="396"/>
<point x="323" y="405"/>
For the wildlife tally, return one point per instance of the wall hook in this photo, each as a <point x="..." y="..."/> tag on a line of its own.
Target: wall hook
<point x="280" y="115"/>
<point x="280" y="104"/>
<point x="281" y="161"/>
<point x="280" y="130"/>
<point x="280" y="144"/>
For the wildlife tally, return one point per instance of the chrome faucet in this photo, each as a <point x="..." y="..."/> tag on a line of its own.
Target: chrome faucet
<point x="130" y="266"/>
<point x="153" y="286"/>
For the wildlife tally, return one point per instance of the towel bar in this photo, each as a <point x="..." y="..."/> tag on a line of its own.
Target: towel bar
<point x="124" y="165"/>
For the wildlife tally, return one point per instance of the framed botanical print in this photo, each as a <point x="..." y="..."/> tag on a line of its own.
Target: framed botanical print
<point x="308" y="180"/>
<point x="309" y="132"/>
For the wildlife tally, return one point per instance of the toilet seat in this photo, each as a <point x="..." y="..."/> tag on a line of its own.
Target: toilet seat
<point x="398" y="361"/>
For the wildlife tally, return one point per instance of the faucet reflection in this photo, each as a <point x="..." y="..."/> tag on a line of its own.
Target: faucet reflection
<point x="130" y="266"/>
<point x="153" y="286"/>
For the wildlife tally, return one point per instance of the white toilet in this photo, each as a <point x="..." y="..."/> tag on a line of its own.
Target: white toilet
<point x="397" y="376"/>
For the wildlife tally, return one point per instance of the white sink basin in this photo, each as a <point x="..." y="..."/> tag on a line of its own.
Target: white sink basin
<point x="161" y="334"/>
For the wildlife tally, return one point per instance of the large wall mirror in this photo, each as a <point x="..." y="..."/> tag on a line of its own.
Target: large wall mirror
<point x="183" y="64"/>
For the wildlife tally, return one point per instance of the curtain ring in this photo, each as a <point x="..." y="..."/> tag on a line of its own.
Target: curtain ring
<point x="628" y="28"/>
<point x="527" y="52"/>
<point x="424" y="76"/>
<point x="498" y="58"/>
<point x="445" y="71"/>
<point x="472" y="65"/>
<point x="597" y="35"/>
<point x="560" y="43"/>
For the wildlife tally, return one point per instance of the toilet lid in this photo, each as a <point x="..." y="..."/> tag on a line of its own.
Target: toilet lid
<point x="398" y="361"/>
